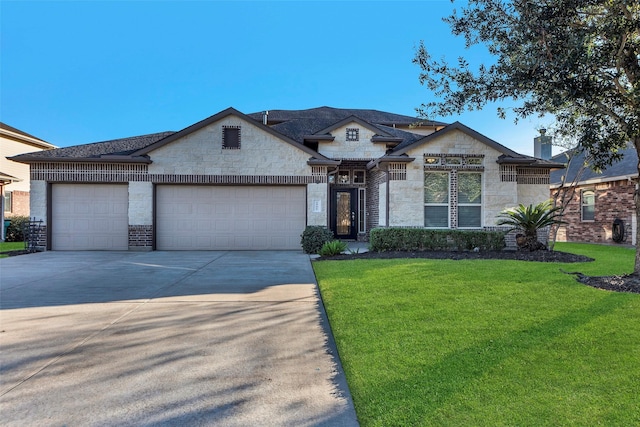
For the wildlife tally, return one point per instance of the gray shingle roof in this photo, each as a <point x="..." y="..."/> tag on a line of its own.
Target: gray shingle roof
<point x="123" y="146"/>
<point x="295" y="124"/>
<point x="333" y="115"/>
<point x="625" y="167"/>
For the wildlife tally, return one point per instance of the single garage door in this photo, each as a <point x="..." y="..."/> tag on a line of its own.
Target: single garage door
<point x="89" y="217"/>
<point x="229" y="217"/>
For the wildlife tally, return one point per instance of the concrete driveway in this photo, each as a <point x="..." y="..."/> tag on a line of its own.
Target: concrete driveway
<point x="166" y="338"/>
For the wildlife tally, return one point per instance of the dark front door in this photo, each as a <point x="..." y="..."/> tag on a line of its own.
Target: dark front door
<point x="344" y="213"/>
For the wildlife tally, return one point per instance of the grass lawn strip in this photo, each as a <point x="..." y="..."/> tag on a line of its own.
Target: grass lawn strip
<point x="10" y="246"/>
<point x="437" y="342"/>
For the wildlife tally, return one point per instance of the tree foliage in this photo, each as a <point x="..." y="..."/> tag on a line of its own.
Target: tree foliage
<point x="575" y="59"/>
<point x="578" y="60"/>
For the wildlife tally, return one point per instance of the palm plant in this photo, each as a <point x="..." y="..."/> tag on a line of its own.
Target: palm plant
<point x="530" y="219"/>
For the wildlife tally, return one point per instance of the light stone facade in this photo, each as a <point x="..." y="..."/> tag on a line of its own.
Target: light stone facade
<point x="407" y="197"/>
<point x="140" y="198"/>
<point x="38" y="201"/>
<point x="340" y="148"/>
<point x="201" y="153"/>
<point x="317" y="204"/>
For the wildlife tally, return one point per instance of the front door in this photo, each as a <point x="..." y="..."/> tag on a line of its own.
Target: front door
<point x="344" y="213"/>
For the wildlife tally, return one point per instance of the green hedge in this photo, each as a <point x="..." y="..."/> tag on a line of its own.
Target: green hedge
<point x="422" y="239"/>
<point x="15" y="229"/>
<point x="314" y="237"/>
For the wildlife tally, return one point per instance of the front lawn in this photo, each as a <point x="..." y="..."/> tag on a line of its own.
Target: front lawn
<point x="10" y="246"/>
<point x="486" y="342"/>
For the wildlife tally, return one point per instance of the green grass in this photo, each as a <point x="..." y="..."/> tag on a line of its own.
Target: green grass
<point x="10" y="246"/>
<point x="484" y="342"/>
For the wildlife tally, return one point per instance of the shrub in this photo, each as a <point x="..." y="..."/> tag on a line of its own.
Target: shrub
<point x="335" y="247"/>
<point x="530" y="219"/>
<point x="14" y="231"/>
<point x="422" y="239"/>
<point x="314" y="237"/>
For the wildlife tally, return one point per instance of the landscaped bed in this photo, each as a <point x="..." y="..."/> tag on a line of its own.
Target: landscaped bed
<point x="486" y="342"/>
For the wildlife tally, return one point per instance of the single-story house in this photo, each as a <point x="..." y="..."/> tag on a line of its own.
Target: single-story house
<point x="254" y="181"/>
<point x="601" y="208"/>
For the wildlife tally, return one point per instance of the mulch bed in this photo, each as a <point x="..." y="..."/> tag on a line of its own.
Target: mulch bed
<point x="540" y="256"/>
<point x="14" y="253"/>
<point x="625" y="283"/>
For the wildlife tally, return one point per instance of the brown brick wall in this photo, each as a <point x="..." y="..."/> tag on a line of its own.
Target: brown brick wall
<point x="19" y="204"/>
<point x="140" y="237"/>
<point x="613" y="200"/>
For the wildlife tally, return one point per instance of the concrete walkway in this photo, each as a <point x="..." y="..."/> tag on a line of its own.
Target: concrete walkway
<point x="166" y="338"/>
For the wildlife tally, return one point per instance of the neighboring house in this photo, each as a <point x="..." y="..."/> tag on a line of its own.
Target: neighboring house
<point x="16" y="192"/>
<point x="238" y="181"/>
<point x="14" y="177"/>
<point x="601" y="209"/>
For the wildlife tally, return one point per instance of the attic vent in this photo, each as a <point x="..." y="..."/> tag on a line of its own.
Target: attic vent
<point x="508" y="173"/>
<point x="353" y="134"/>
<point x="231" y="137"/>
<point x="397" y="171"/>
<point x="318" y="170"/>
<point x="533" y="176"/>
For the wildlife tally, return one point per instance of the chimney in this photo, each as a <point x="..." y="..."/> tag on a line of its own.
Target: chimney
<point x="265" y="117"/>
<point x="542" y="145"/>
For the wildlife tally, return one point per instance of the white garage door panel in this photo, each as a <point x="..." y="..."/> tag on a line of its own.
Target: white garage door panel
<point x="89" y="217"/>
<point x="227" y="217"/>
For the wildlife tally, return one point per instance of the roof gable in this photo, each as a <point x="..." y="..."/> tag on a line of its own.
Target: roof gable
<point x="219" y="116"/>
<point x="403" y="148"/>
<point x="352" y="119"/>
<point x="508" y="156"/>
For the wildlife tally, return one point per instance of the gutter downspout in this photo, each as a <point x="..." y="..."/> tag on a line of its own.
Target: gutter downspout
<point x="386" y="171"/>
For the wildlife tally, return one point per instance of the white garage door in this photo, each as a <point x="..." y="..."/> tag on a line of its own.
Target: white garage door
<point x="229" y="217"/>
<point x="89" y="217"/>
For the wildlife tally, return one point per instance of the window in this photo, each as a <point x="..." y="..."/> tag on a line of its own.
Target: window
<point x="8" y="205"/>
<point x="358" y="177"/>
<point x="469" y="200"/>
<point x="353" y="134"/>
<point x="473" y="161"/>
<point x="436" y="199"/>
<point x="231" y="137"/>
<point x="431" y="161"/>
<point x="588" y="205"/>
<point x="362" y="210"/>
<point x="453" y="161"/>
<point x="344" y="177"/>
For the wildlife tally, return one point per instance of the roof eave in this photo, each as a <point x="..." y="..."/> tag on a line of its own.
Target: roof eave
<point x="532" y="162"/>
<point x="389" y="159"/>
<point x="317" y="138"/>
<point x="385" y="139"/>
<point x="323" y="162"/>
<point x="101" y="159"/>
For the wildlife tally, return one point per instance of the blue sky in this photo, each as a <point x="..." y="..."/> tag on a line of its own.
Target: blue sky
<point x="75" y="72"/>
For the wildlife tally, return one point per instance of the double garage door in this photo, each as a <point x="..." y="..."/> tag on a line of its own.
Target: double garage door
<point x="95" y="217"/>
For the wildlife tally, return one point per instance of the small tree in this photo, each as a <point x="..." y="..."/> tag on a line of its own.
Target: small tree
<point x="530" y="219"/>
<point x="566" y="189"/>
